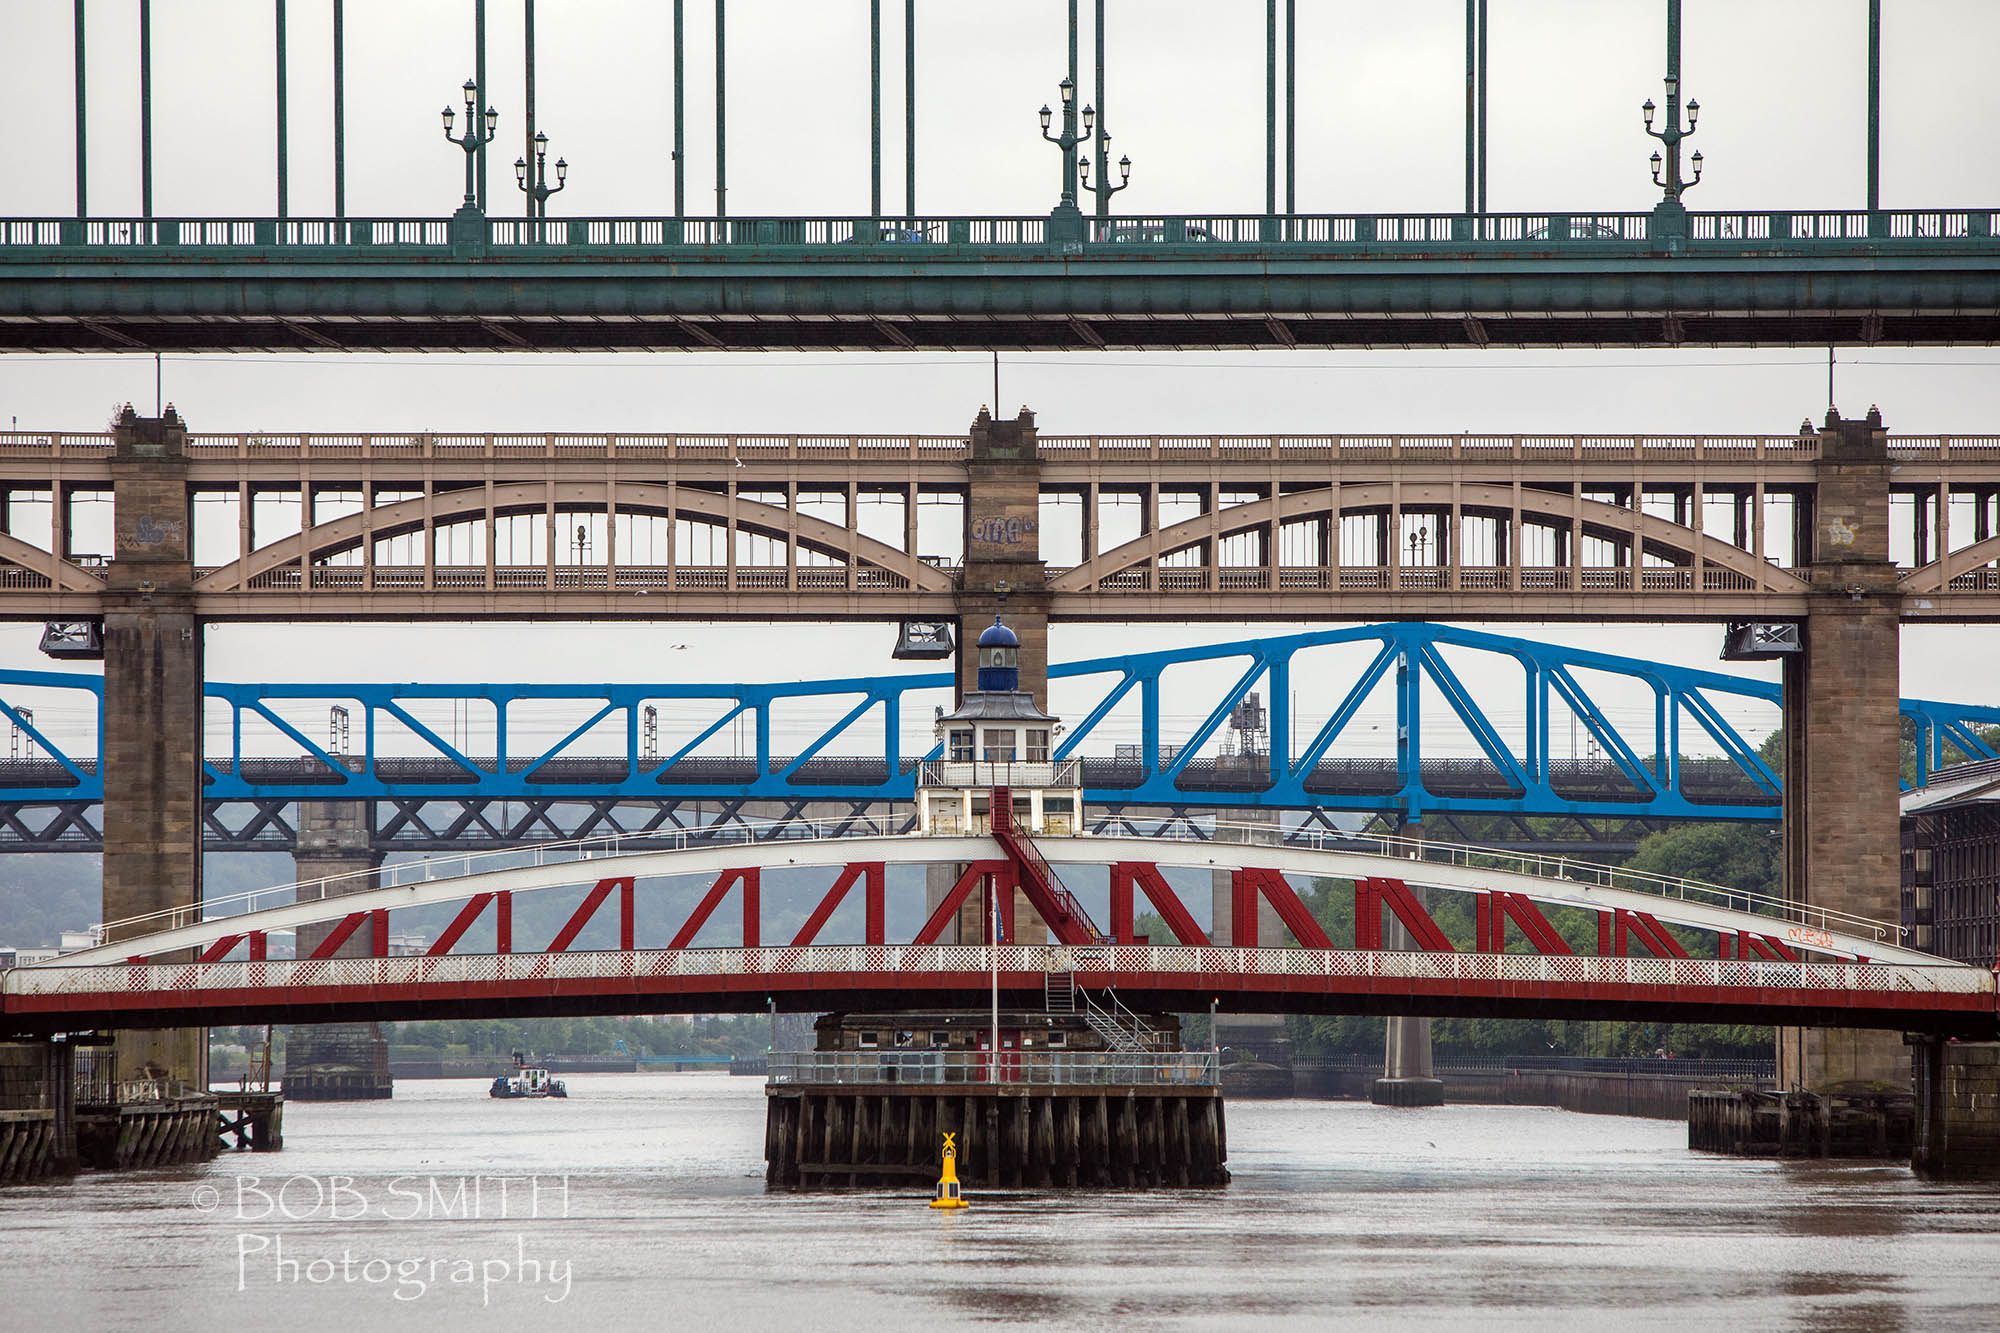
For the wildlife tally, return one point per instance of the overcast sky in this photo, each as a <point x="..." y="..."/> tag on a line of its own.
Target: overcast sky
<point x="1781" y="82"/>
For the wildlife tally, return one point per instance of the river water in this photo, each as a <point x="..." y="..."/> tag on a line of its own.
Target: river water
<point x="639" y="1202"/>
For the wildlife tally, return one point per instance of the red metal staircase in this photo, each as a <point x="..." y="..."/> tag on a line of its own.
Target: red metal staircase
<point x="1056" y="904"/>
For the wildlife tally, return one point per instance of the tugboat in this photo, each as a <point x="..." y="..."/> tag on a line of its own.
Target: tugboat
<point x="528" y="1081"/>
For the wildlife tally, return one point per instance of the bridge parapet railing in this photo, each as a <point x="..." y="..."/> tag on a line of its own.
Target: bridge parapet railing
<point x="1846" y="225"/>
<point x="1537" y="232"/>
<point x="1063" y="1068"/>
<point x="1566" y="868"/>
<point x="1429" y="448"/>
<point x="1804" y="916"/>
<point x="1020" y="967"/>
<point x="1056" y="449"/>
<point x="746" y="833"/>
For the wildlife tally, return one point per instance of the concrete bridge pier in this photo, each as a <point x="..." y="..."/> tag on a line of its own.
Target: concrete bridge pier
<point x="328" y="1062"/>
<point x="1842" y="828"/>
<point x="1409" y="1076"/>
<point x="152" y="711"/>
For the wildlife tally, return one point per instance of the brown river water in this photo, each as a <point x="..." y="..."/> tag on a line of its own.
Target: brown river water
<point x="639" y="1203"/>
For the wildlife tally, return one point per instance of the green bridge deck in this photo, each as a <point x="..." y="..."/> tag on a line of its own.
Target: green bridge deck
<point x="473" y="283"/>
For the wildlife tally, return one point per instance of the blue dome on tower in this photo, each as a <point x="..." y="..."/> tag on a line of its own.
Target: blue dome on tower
<point x="997" y="635"/>
<point x="999" y="658"/>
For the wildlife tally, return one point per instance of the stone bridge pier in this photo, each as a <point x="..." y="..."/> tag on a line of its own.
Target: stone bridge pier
<point x="151" y="747"/>
<point x="1843" y="753"/>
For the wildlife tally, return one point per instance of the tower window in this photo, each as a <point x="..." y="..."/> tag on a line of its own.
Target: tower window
<point x="1000" y="746"/>
<point x="961" y="744"/>
<point x="1038" y="745"/>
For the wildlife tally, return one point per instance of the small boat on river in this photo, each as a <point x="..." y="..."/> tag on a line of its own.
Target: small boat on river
<point x="527" y="1081"/>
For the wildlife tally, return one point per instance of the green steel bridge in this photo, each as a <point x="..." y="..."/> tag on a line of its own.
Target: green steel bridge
<point x="1083" y="275"/>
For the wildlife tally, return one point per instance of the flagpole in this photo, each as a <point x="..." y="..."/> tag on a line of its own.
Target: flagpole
<point x="993" y="949"/>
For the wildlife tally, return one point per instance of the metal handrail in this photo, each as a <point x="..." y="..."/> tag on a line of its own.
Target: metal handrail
<point x="1572" y="869"/>
<point x="1017" y="841"/>
<point x="1194" y="966"/>
<point x="1069" y="1068"/>
<point x="538" y="854"/>
<point x="1589" y="873"/>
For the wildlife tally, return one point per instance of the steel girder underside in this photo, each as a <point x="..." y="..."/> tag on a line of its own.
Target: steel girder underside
<point x="958" y="298"/>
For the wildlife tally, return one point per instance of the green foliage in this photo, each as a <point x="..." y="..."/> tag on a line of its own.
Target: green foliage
<point x="1737" y="856"/>
<point x="732" y="1034"/>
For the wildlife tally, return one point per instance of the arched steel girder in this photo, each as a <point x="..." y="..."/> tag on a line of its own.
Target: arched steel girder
<point x="1682" y="903"/>
<point x="1681" y="545"/>
<point x="521" y="498"/>
<point x="64" y="575"/>
<point x="1938" y="575"/>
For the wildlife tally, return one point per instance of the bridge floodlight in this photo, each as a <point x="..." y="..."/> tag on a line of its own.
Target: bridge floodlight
<point x="1645" y="110"/>
<point x="1694" y="112"/>
<point x="449" y="116"/>
<point x="1046" y="115"/>
<point x="1673" y="86"/>
<point x="1089" y="117"/>
<point x="1068" y="91"/>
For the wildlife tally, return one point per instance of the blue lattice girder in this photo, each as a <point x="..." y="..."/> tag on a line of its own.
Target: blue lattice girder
<point x="1430" y="662"/>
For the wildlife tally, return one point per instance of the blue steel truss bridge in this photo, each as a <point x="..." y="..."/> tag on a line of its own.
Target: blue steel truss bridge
<point x="1478" y="744"/>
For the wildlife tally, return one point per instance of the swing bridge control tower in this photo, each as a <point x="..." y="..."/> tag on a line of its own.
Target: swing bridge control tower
<point x="1084" y="1093"/>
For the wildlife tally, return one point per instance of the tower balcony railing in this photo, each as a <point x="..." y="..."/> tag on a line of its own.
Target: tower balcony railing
<point x="1012" y="773"/>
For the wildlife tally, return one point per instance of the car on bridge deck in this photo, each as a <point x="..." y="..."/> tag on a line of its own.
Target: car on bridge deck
<point x="893" y="236"/>
<point x="1581" y="231"/>
<point x="1153" y="233"/>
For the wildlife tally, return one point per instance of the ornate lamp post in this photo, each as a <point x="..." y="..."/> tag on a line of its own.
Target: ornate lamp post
<point x="1670" y="136"/>
<point x="541" y="189"/>
<point x="1105" y="189"/>
<point x="1068" y="139"/>
<point x="1067" y="217"/>
<point x="475" y="137"/>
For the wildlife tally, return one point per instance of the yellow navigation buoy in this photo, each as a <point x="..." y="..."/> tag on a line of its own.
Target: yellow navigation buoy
<point x="948" y="1195"/>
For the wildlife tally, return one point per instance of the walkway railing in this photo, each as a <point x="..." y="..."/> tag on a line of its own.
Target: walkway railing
<point x="753" y="832"/>
<point x="1543" y="866"/>
<point x="435" y="866"/>
<point x="1450" y="1062"/>
<point x="1066" y="1068"/>
<point x="1020" y="967"/>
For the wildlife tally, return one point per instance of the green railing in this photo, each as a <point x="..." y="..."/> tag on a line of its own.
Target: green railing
<point x="1615" y="233"/>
